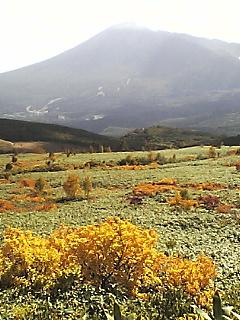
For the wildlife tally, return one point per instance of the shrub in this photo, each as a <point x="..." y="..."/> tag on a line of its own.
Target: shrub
<point x="92" y="164"/>
<point x="135" y="200"/>
<point x="212" y="152"/>
<point x="151" y="189"/>
<point x="152" y="156"/>
<point x="7" y="175"/>
<point x="113" y="253"/>
<point x="72" y="186"/>
<point x="87" y="186"/>
<point x="161" y="159"/>
<point x="8" y="167"/>
<point x="238" y="151"/>
<point x="52" y="156"/>
<point x="209" y="202"/>
<point x="224" y="208"/>
<point x="45" y="206"/>
<point x="209" y="186"/>
<point x="41" y="186"/>
<point x="27" y="182"/>
<point x="6" y="205"/>
<point x="231" y="152"/>
<point x="184" y="193"/>
<point x="168" y="181"/>
<point x="237" y="165"/>
<point x="14" y="159"/>
<point x="177" y="200"/>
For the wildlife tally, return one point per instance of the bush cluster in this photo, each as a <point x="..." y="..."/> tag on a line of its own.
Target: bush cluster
<point x="113" y="253"/>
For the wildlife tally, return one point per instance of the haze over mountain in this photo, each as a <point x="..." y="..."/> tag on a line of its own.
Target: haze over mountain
<point x="131" y="77"/>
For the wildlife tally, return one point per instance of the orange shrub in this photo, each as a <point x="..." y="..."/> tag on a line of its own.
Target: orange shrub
<point x="46" y="206"/>
<point x="4" y="181"/>
<point x="237" y="165"/>
<point x="209" y="186"/>
<point x="72" y="185"/>
<point x="190" y="158"/>
<point x="231" y="152"/>
<point x="184" y="203"/>
<point x="224" y="208"/>
<point x="27" y="182"/>
<point x="151" y="189"/>
<point x="27" y="198"/>
<point x="6" y="205"/>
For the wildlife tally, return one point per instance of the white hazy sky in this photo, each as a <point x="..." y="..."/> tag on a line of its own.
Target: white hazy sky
<point x="34" y="30"/>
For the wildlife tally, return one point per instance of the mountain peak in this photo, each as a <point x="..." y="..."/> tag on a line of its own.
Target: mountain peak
<point x="129" y="25"/>
<point x="128" y="76"/>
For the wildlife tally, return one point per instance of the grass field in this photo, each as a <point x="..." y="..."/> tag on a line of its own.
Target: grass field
<point x="211" y="227"/>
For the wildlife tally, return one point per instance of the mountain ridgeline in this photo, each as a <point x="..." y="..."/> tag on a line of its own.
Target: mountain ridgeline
<point x="51" y="138"/>
<point x="131" y="78"/>
<point x="25" y="136"/>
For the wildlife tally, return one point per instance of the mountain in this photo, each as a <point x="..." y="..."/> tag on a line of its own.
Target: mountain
<point x="50" y="137"/>
<point x="128" y="78"/>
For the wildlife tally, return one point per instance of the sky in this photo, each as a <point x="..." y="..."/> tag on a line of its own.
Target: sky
<point x="35" y="30"/>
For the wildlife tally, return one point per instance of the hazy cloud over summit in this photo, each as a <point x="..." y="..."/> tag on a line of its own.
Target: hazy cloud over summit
<point x="32" y="31"/>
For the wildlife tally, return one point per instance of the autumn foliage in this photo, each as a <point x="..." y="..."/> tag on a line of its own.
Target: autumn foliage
<point x="6" y="205"/>
<point x="178" y="200"/>
<point x="113" y="252"/>
<point x="72" y="186"/>
<point x="27" y="182"/>
<point x="151" y="189"/>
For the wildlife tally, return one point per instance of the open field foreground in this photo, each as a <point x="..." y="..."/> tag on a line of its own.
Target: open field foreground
<point x="150" y="232"/>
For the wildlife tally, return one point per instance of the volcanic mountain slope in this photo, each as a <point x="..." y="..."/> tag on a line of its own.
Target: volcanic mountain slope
<point x="130" y="77"/>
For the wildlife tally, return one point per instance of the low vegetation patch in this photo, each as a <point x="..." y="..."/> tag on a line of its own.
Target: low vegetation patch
<point x="113" y="253"/>
<point x="62" y="258"/>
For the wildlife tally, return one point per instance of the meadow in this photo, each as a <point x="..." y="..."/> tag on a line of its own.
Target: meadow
<point x="189" y="197"/>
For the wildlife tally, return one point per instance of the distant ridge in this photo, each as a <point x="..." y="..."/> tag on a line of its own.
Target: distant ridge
<point x="26" y="136"/>
<point x="158" y="137"/>
<point x="53" y="136"/>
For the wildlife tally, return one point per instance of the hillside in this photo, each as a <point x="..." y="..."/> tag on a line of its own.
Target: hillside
<point x="52" y="136"/>
<point x="129" y="78"/>
<point x="28" y="136"/>
<point x="156" y="138"/>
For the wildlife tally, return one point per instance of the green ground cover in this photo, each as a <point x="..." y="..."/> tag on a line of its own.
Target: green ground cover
<point x="182" y="231"/>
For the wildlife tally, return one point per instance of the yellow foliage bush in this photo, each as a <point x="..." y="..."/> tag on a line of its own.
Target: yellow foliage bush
<point x="113" y="252"/>
<point x="177" y="200"/>
<point x="151" y="189"/>
<point x="168" y="181"/>
<point x="28" y="260"/>
<point x="193" y="276"/>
